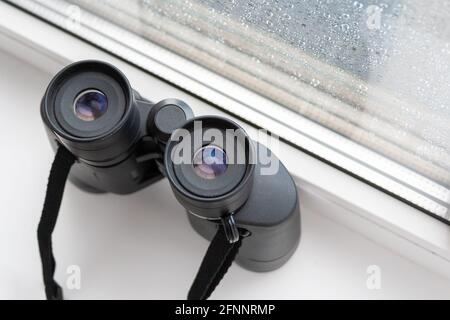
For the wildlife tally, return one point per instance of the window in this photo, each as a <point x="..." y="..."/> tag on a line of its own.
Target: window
<point x="362" y="84"/>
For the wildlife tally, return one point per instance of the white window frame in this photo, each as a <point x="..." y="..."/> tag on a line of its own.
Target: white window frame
<point x="349" y="201"/>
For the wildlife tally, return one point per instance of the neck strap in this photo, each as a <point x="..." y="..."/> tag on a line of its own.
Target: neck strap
<point x="218" y="259"/>
<point x="55" y="190"/>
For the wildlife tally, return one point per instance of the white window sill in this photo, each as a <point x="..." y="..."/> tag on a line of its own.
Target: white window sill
<point x="330" y="256"/>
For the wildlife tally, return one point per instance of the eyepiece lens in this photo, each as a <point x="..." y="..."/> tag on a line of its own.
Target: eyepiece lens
<point x="210" y="162"/>
<point x="90" y="105"/>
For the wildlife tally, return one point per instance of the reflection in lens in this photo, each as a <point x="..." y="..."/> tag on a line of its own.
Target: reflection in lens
<point x="210" y="162"/>
<point x="90" y="105"/>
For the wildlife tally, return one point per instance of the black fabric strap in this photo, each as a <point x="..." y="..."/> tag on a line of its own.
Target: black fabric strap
<point x="218" y="259"/>
<point x="55" y="190"/>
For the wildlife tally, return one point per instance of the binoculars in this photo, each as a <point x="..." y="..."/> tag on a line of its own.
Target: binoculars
<point x="121" y="143"/>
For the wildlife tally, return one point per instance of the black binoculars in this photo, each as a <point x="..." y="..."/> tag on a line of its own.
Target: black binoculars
<point x="122" y="143"/>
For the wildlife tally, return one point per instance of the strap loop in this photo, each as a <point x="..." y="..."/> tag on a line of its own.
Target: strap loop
<point x="55" y="190"/>
<point x="230" y="228"/>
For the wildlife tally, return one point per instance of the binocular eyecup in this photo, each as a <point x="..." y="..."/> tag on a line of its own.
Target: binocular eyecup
<point x="91" y="108"/>
<point x="209" y="163"/>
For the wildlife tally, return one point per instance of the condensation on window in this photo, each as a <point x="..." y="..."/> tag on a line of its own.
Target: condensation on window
<point x="376" y="72"/>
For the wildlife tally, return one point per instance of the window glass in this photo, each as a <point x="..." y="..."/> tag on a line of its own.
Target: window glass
<point x="374" y="72"/>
